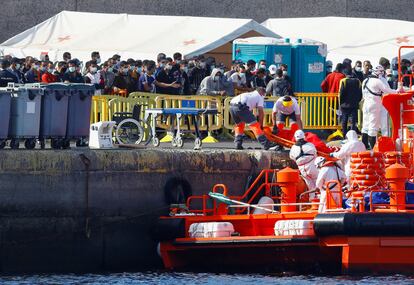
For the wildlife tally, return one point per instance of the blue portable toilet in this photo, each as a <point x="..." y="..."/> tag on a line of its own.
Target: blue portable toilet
<point x="274" y="51"/>
<point x="308" y="65"/>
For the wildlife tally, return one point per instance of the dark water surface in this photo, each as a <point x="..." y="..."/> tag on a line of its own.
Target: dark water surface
<point x="201" y="278"/>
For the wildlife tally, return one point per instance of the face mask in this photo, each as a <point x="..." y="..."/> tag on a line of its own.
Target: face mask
<point x="72" y="69"/>
<point x="132" y="67"/>
<point x="185" y="69"/>
<point x="17" y="66"/>
<point x="125" y="71"/>
<point x="358" y="68"/>
<point x="395" y="72"/>
<point x="216" y="78"/>
<point x="329" y="69"/>
<point x="43" y="68"/>
<point x="139" y="69"/>
<point x="51" y="70"/>
<point x="168" y="67"/>
<point x="162" y="65"/>
<point x="36" y="67"/>
<point x="93" y="69"/>
<point x="178" y="61"/>
<point x="285" y="72"/>
<point x="98" y="60"/>
<point x="110" y="69"/>
<point x="263" y="66"/>
<point x="202" y="64"/>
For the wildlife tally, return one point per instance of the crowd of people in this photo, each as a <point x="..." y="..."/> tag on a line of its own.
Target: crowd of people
<point x="168" y="75"/>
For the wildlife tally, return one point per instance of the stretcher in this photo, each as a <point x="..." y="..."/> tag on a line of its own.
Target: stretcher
<point x="178" y="113"/>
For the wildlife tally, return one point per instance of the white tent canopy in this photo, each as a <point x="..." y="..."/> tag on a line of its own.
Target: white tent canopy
<point x="136" y="36"/>
<point x="354" y="38"/>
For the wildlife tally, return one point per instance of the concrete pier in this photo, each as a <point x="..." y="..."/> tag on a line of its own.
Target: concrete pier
<point x="85" y="210"/>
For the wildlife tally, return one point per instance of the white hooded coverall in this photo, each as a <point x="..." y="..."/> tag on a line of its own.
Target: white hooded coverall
<point x="372" y="110"/>
<point x="344" y="154"/>
<point x="326" y="174"/>
<point x="307" y="168"/>
<point x="385" y="122"/>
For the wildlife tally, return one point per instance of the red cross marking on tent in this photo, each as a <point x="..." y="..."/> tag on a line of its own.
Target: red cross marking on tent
<point x="401" y="40"/>
<point x="62" y="39"/>
<point x="190" y="42"/>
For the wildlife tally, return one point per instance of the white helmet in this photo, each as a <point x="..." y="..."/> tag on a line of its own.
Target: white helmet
<point x="299" y="135"/>
<point x="379" y="71"/>
<point x="319" y="161"/>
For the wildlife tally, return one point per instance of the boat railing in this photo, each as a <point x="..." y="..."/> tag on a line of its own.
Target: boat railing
<point x="210" y="206"/>
<point x="333" y="188"/>
<point x="268" y="184"/>
<point x="397" y="201"/>
<point x="272" y="211"/>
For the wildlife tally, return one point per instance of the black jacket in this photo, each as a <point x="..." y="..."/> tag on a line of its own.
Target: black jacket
<point x="6" y="76"/>
<point x="350" y="93"/>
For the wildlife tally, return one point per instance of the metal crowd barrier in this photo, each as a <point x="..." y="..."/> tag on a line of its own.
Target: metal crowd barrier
<point x="207" y="122"/>
<point x="318" y="110"/>
<point x="104" y="106"/>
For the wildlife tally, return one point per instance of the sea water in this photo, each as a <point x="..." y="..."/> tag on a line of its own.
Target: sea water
<point x="201" y="278"/>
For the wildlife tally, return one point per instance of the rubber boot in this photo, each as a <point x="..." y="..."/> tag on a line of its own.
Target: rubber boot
<point x="365" y="140"/>
<point x="238" y="141"/>
<point x="267" y="145"/>
<point x="275" y="130"/>
<point x="372" y="141"/>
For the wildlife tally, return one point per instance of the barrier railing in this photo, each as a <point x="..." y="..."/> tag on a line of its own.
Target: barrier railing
<point x="121" y="104"/>
<point x="318" y="110"/>
<point x="104" y="106"/>
<point x="210" y="122"/>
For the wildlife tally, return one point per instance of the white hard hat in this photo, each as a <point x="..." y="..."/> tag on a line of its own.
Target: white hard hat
<point x="299" y="135"/>
<point x="379" y="70"/>
<point x="272" y="69"/>
<point x="319" y="161"/>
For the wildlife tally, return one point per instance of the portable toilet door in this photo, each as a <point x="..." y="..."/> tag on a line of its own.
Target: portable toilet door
<point x="279" y="54"/>
<point x="309" y="66"/>
<point x="274" y="51"/>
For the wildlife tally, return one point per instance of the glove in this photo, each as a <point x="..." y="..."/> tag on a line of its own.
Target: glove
<point x="275" y="130"/>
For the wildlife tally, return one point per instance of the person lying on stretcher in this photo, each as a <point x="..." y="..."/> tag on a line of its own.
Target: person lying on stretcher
<point x="285" y="107"/>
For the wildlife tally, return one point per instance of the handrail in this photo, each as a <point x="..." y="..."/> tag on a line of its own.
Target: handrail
<point x="388" y="206"/>
<point x="329" y="194"/>
<point x="266" y="184"/>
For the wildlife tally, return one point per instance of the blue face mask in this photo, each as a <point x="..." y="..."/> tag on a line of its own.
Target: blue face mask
<point x="139" y="69"/>
<point x="395" y="73"/>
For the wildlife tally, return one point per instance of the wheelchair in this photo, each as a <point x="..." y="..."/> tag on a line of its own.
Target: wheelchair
<point x="128" y="128"/>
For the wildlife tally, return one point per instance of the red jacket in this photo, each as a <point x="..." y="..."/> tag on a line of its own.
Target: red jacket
<point x="331" y="82"/>
<point x="48" y="78"/>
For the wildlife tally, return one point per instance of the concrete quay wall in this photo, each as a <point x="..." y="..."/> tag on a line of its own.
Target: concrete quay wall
<point x="85" y="210"/>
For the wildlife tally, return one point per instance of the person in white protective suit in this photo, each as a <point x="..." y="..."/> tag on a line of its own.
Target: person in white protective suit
<point x="329" y="171"/>
<point x="304" y="154"/>
<point x="373" y="88"/>
<point x="344" y="154"/>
